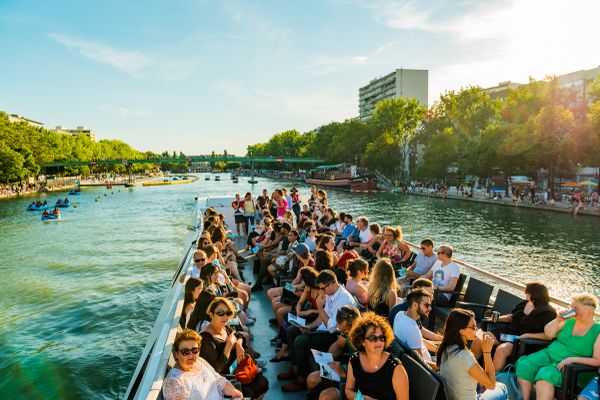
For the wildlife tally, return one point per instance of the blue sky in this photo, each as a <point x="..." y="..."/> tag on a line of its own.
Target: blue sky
<point x="201" y="75"/>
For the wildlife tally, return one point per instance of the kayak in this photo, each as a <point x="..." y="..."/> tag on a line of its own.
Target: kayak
<point x="75" y="192"/>
<point x="36" y="208"/>
<point x="62" y="205"/>
<point x="50" y="217"/>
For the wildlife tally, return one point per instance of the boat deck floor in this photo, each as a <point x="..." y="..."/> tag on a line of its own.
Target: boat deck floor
<point x="263" y="332"/>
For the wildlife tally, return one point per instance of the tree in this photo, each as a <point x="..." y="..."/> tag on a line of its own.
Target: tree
<point x="397" y="121"/>
<point x="11" y="164"/>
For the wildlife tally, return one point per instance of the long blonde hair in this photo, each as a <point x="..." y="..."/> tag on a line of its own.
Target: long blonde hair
<point x="381" y="281"/>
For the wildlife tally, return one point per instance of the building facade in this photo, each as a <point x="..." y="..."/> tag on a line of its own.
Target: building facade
<point x="579" y="81"/>
<point x="15" y="119"/>
<point x="78" y="130"/>
<point x="411" y="83"/>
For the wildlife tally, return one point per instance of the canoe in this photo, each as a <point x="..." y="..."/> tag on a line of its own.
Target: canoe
<point x="36" y="208"/>
<point x="50" y="217"/>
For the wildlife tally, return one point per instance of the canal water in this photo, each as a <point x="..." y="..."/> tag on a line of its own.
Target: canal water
<point x="79" y="296"/>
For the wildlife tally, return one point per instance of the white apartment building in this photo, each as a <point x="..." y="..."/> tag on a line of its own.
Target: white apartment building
<point x="15" y="119"/>
<point x="78" y="130"/>
<point x="411" y="83"/>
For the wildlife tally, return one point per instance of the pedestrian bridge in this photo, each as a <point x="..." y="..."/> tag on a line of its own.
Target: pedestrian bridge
<point x="187" y="159"/>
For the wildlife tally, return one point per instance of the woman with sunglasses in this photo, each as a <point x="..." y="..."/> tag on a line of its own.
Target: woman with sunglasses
<point x="374" y="372"/>
<point x="192" y="377"/>
<point x="458" y="365"/>
<point x="221" y="345"/>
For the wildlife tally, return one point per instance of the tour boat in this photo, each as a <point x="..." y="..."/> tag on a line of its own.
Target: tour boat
<point x="339" y="176"/>
<point x="157" y="357"/>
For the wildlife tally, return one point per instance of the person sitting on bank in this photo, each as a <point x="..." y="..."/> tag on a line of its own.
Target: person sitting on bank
<point x="409" y="330"/>
<point x="577" y="341"/>
<point x="326" y="389"/>
<point x="526" y="320"/>
<point x="444" y="274"/>
<point x="374" y="372"/>
<point x="458" y="365"/>
<point x="192" y="378"/>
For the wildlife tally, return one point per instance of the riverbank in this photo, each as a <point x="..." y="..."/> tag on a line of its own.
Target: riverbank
<point x="507" y="201"/>
<point x="12" y="191"/>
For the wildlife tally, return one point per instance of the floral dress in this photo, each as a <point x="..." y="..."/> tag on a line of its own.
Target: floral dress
<point x="392" y="250"/>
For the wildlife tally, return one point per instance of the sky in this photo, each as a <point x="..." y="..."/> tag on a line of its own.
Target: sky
<point x="199" y="75"/>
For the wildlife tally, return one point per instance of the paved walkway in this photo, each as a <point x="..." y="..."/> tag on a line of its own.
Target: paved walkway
<point x="507" y="201"/>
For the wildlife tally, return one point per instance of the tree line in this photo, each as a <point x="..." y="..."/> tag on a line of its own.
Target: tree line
<point x="24" y="147"/>
<point x="538" y="126"/>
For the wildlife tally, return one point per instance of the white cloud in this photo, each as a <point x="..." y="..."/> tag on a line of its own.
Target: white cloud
<point x="132" y="62"/>
<point x="327" y="65"/>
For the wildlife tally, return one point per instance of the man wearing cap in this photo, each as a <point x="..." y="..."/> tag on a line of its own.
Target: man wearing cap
<point x="303" y="256"/>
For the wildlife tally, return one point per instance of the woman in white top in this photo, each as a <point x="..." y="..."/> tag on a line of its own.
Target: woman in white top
<point x="192" y="378"/>
<point x="459" y="366"/>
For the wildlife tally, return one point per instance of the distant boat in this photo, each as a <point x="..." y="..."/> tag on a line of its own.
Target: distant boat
<point x="235" y="180"/>
<point x="217" y="178"/>
<point x="207" y="178"/>
<point x="341" y="177"/>
<point x="253" y="181"/>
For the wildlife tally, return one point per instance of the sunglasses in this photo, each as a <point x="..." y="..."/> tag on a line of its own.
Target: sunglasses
<point x="428" y="305"/>
<point x="325" y="287"/>
<point x="186" y="352"/>
<point x="199" y="259"/>
<point x="375" y="338"/>
<point x="221" y="313"/>
<point x="423" y="248"/>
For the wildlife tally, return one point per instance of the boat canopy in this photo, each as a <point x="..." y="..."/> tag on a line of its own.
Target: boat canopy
<point x="330" y="166"/>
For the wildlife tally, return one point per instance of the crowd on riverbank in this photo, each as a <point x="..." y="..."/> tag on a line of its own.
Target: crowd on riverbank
<point x="572" y="201"/>
<point x="351" y="303"/>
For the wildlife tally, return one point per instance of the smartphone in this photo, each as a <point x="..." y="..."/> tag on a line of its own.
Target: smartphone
<point x="504" y="337"/>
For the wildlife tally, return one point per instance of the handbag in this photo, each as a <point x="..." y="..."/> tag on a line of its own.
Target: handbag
<point x="509" y="378"/>
<point x="246" y="370"/>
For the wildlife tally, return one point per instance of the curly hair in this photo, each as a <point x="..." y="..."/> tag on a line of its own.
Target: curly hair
<point x="186" y="334"/>
<point x="363" y="324"/>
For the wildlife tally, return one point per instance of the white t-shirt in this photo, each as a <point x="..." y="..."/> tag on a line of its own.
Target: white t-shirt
<point x="365" y="235"/>
<point x="442" y="275"/>
<point x="409" y="333"/>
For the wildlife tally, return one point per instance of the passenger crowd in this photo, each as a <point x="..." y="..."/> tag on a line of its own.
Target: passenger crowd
<point x="347" y="288"/>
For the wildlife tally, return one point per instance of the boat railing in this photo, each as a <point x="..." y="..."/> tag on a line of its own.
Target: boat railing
<point x="146" y="382"/>
<point x="497" y="279"/>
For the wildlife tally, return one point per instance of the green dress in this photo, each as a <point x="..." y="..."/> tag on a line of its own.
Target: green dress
<point x="542" y="365"/>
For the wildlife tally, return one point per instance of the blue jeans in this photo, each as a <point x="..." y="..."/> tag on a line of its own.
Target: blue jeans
<point x="591" y="390"/>
<point x="498" y="393"/>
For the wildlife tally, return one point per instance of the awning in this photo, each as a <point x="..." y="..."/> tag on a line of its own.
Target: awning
<point x="330" y="166"/>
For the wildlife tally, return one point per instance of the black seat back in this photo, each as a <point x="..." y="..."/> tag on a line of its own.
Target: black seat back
<point x="400" y="350"/>
<point x="505" y="302"/>
<point x="423" y="385"/>
<point x="478" y="292"/>
<point x="460" y="283"/>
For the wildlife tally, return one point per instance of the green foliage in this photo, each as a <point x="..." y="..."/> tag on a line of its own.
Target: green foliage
<point x="23" y="147"/>
<point x="537" y="126"/>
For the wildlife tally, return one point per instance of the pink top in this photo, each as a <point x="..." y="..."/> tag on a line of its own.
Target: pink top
<point x="351" y="287"/>
<point x="282" y="205"/>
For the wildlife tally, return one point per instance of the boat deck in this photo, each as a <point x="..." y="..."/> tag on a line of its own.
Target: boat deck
<point x="263" y="333"/>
